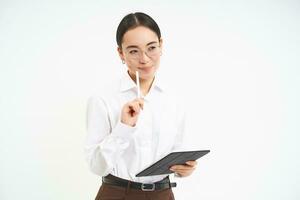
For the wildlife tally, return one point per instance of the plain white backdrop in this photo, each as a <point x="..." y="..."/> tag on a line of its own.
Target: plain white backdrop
<point x="234" y="63"/>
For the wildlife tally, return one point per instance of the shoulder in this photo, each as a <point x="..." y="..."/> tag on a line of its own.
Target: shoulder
<point x="105" y="94"/>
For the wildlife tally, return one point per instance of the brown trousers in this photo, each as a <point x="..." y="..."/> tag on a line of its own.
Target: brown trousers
<point x="110" y="192"/>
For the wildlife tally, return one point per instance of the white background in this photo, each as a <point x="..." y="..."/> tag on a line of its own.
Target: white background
<point x="236" y="64"/>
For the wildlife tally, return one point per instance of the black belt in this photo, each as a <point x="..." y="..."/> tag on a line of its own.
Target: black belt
<point x="116" y="181"/>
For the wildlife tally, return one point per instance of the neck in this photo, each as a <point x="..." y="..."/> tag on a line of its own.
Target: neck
<point x="145" y="84"/>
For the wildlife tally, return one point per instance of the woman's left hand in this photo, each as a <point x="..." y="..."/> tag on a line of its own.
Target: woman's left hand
<point x="184" y="170"/>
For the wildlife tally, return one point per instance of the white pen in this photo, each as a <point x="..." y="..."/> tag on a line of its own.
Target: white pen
<point x="138" y="84"/>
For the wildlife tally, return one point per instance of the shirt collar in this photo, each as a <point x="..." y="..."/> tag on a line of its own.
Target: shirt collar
<point x="127" y="83"/>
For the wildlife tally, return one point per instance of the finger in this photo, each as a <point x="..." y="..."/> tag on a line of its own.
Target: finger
<point x="191" y="163"/>
<point x="140" y="101"/>
<point x="137" y="106"/>
<point x="134" y="104"/>
<point x="182" y="167"/>
<point x="183" y="171"/>
<point x="141" y="105"/>
<point x="133" y="109"/>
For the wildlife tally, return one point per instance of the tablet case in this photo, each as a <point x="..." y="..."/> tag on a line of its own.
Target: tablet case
<point x="175" y="158"/>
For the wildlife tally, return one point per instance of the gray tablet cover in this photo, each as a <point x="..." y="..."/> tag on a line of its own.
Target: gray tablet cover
<point x="175" y="158"/>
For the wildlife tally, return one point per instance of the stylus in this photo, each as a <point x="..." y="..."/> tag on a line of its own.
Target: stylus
<point x="138" y="84"/>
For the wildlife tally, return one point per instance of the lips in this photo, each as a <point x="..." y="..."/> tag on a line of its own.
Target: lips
<point x="145" y="69"/>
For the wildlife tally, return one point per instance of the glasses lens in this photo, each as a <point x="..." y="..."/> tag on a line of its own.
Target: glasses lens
<point x="151" y="51"/>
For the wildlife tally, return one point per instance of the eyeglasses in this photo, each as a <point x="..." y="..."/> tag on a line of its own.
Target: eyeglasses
<point x="136" y="53"/>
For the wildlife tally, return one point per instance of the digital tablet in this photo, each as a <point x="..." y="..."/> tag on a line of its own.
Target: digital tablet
<point x="175" y="158"/>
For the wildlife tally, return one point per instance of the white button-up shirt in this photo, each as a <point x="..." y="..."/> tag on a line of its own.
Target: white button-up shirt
<point x="115" y="148"/>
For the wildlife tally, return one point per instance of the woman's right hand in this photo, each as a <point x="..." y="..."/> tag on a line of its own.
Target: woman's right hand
<point x="131" y="111"/>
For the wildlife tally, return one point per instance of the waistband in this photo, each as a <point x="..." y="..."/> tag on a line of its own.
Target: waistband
<point x="116" y="181"/>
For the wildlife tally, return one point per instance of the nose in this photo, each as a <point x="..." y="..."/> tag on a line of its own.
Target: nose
<point x="144" y="58"/>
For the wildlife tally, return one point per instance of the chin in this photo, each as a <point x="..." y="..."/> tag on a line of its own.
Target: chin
<point x="148" y="75"/>
<point x="150" y="72"/>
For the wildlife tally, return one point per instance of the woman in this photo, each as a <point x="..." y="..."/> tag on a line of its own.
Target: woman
<point x="127" y="133"/>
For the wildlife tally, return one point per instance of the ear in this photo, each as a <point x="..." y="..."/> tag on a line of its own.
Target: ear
<point x="161" y="42"/>
<point x="161" y="45"/>
<point x="121" y="53"/>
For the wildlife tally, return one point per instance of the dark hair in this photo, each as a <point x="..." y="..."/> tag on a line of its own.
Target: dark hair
<point x="134" y="20"/>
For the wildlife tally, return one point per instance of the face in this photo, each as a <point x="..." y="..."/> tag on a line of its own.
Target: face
<point x="141" y="51"/>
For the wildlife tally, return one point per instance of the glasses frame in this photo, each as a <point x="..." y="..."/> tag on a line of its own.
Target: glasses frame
<point x="141" y="52"/>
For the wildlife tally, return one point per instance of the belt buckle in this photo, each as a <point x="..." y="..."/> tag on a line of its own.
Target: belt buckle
<point x="144" y="187"/>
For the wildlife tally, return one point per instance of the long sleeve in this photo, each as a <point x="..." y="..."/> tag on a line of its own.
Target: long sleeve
<point x="180" y="140"/>
<point x="104" y="144"/>
<point x="180" y="144"/>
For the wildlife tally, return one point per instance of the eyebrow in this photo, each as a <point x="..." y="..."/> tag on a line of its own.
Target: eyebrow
<point x="134" y="46"/>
